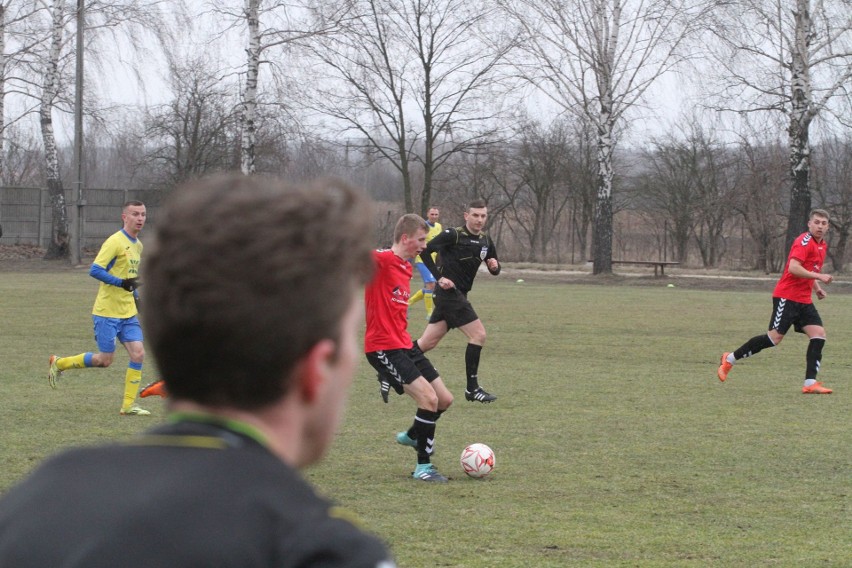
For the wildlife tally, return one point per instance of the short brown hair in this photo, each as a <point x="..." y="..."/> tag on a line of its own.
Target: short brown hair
<point x="408" y="225"/>
<point x="477" y="204"/>
<point x="819" y="213"/>
<point x="246" y="275"/>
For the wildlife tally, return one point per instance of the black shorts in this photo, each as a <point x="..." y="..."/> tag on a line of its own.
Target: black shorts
<point x="404" y="365"/>
<point x="787" y="312"/>
<point x="452" y="307"/>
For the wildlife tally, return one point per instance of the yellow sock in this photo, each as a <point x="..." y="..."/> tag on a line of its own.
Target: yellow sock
<point x="429" y="302"/>
<point x="75" y="362"/>
<point x="132" y="378"/>
<point x="416" y="297"/>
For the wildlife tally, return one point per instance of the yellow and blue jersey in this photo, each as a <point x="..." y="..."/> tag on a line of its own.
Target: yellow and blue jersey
<point x="434" y="230"/>
<point x="119" y="258"/>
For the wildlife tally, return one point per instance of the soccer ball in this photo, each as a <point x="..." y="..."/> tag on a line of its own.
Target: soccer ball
<point x="477" y="460"/>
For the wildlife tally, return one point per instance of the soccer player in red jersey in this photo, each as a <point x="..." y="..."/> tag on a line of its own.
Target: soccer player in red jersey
<point x="388" y="345"/>
<point x="793" y="306"/>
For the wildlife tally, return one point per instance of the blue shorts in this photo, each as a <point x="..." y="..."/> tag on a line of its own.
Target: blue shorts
<point x="424" y="273"/>
<point x="107" y="330"/>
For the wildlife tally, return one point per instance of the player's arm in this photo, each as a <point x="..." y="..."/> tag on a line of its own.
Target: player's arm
<point x="796" y="269"/>
<point x="491" y="259"/>
<point x="98" y="272"/>
<point x="441" y="240"/>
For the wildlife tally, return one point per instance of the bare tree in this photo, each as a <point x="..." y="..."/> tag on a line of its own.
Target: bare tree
<point x="787" y="56"/>
<point x="195" y="133"/>
<point x="15" y="44"/>
<point x="833" y="188"/>
<point x="760" y="179"/>
<point x="59" y="245"/>
<point x="597" y="59"/>
<point x="45" y="76"/>
<point x="414" y="81"/>
<point x="668" y="186"/>
<point x="542" y="164"/>
<point x="271" y="26"/>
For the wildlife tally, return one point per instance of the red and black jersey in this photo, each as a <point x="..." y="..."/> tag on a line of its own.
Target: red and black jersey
<point x="386" y="303"/>
<point x="811" y="254"/>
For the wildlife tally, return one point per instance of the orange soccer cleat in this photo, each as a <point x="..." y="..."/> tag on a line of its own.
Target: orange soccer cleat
<point x="724" y="368"/>
<point x="154" y="389"/>
<point x="816" y="388"/>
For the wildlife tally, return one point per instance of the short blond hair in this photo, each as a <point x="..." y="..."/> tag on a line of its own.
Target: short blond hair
<point x="408" y="225"/>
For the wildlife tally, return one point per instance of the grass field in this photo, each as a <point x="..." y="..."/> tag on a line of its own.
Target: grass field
<point x="616" y="445"/>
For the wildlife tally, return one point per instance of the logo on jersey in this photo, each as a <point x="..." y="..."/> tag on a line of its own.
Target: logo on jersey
<point x="399" y="296"/>
<point x="806" y="239"/>
<point x="483" y="252"/>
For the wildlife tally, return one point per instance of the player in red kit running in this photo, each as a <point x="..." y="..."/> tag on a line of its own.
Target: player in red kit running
<point x="793" y="306"/>
<point x="388" y="345"/>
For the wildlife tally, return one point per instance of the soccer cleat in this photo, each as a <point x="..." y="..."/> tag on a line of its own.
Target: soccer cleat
<point x="157" y="388"/>
<point x="816" y="388"/>
<point x="404" y="439"/>
<point x="427" y="472"/>
<point x="724" y="367"/>
<point x="134" y="411"/>
<point x="53" y="371"/>
<point x="384" y="388"/>
<point x="385" y="385"/>
<point x="479" y="395"/>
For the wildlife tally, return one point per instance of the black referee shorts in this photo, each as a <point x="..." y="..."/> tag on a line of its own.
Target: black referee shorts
<point x="452" y="307"/>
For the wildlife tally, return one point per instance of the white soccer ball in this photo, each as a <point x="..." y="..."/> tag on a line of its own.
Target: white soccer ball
<point x="477" y="460"/>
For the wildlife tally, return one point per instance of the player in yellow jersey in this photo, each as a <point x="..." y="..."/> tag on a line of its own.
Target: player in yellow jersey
<point x="114" y="314"/>
<point x="425" y="293"/>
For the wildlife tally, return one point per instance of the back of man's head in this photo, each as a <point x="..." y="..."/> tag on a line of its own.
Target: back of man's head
<point x="246" y="275"/>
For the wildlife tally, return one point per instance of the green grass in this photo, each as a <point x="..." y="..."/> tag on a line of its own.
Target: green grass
<point x="616" y="445"/>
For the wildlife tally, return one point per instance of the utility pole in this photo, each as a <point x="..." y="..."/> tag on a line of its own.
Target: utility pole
<point x="77" y="200"/>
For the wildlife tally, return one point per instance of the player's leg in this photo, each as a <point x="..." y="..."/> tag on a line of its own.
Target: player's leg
<point x="783" y="314"/>
<point x="423" y="428"/>
<point x="475" y="333"/>
<point x="428" y="288"/>
<point x="428" y="299"/>
<point x="421" y="434"/>
<point x="430" y="373"/>
<point x="812" y="327"/>
<point x="105" y="330"/>
<point x="432" y="335"/>
<point x="131" y="337"/>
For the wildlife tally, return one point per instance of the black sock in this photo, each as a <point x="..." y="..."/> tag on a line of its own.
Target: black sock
<point x="814" y="357"/>
<point x="471" y="363"/>
<point x="425" y="425"/>
<point x="753" y="346"/>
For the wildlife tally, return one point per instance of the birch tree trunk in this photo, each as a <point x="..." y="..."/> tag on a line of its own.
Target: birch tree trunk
<point x="249" y="103"/>
<point x="801" y="115"/>
<point x="788" y="56"/>
<point x="59" y="238"/>
<point x="3" y="66"/>
<point x="596" y="59"/>
<point x="602" y="233"/>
